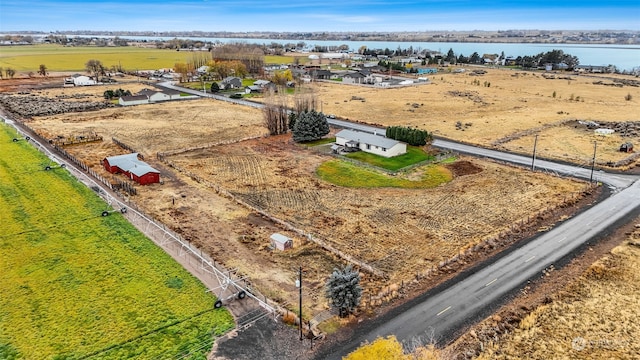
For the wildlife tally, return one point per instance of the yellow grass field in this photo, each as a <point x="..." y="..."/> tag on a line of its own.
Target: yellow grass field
<point x="514" y="102"/>
<point x="596" y="317"/>
<point x="58" y="58"/>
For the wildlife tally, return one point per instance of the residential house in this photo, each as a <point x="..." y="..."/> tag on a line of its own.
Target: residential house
<point x="231" y="82"/>
<point x="353" y="78"/>
<point x="80" y="80"/>
<point x="371" y="143"/>
<point x="165" y="95"/>
<point x="133" y="100"/>
<point x="321" y="74"/>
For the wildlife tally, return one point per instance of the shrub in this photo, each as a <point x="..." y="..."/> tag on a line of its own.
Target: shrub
<point x="628" y="97"/>
<point x="411" y="136"/>
<point x="310" y="126"/>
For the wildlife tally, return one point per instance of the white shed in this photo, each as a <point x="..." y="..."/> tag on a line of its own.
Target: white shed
<point x="281" y="242"/>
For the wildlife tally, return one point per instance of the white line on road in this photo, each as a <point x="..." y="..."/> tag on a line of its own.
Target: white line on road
<point x="443" y="311"/>
<point x="563" y="239"/>
<point x="529" y="259"/>
<point x="491" y="282"/>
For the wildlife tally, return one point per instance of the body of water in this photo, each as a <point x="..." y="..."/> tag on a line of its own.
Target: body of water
<point x="624" y="57"/>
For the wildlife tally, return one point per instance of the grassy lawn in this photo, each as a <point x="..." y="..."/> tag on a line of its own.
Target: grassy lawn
<point x="346" y="174"/>
<point x="71" y="58"/>
<point x="76" y="285"/>
<point x="413" y="155"/>
<point x="318" y="142"/>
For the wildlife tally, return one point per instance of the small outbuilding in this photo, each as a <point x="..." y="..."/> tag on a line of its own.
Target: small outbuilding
<point x="135" y="169"/>
<point x="626" y="147"/>
<point x="281" y="242"/>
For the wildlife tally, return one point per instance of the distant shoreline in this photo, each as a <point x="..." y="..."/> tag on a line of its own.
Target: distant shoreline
<point x="592" y="37"/>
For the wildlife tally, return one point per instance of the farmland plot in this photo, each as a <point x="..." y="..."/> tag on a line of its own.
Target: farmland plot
<point x="76" y="284"/>
<point x="398" y="231"/>
<point x="160" y="127"/>
<point x="497" y="105"/>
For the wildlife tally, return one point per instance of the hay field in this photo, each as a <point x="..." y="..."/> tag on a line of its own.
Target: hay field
<point x="514" y="101"/>
<point x="596" y="317"/>
<point x="26" y="58"/>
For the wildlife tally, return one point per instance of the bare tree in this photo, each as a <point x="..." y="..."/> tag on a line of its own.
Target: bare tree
<point x="95" y="68"/>
<point x="275" y="113"/>
<point x="305" y="100"/>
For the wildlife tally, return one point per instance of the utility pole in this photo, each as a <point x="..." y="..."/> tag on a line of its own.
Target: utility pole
<point x="593" y="162"/>
<point x="299" y="285"/>
<point x="533" y="161"/>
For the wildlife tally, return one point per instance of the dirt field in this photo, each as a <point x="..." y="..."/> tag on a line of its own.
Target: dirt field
<point x="499" y="105"/>
<point x="587" y="319"/>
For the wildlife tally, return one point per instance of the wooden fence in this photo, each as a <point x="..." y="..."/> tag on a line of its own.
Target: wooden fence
<point x="127" y="147"/>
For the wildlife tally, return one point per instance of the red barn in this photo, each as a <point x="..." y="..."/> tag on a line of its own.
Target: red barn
<point x="136" y="170"/>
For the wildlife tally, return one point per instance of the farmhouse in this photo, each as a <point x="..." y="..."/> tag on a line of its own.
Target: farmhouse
<point x="371" y="143"/>
<point x="148" y="96"/>
<point x="128" y="164"/>
<point x="133" y="100"/>
<point x="231" y="82"/>
<point x="79" y="80"/>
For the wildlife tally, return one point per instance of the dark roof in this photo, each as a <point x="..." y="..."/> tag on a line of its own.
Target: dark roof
<point x="130" y="163"/>
<point x="170" y="92"/>
<point x="354" y="75"/>
<point x="231" y="78"/>
<point x="134" y="97"/>
<point x="363" y="137"/>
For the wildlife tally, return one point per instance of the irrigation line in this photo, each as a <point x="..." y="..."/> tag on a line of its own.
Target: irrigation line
<point x="151" y="225"/>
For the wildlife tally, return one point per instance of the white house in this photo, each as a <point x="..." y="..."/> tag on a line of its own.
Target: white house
<point x="371" y="143"/>
<point x="80" y="80"/>
<point x="165" y="95"/>
<point x="160" y="95"/>
<point x="133" y="100"/>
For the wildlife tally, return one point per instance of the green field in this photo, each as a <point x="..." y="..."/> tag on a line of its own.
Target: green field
<point x="77" y="285"/>
<point x="346" y="174"/>
<point x="26" y="58"/>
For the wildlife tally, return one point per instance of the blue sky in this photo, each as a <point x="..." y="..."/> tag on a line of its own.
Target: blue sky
<point x="318" y="15"/>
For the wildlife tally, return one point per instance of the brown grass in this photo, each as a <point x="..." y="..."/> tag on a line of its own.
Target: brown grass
<point x="397" y="231"/>
<point x="594" y="318"/>
<point x="515" y="101"/>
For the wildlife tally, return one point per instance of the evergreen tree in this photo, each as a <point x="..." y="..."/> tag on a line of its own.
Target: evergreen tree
<point x="310" y="126"/>
<point x="343" y="290"/>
